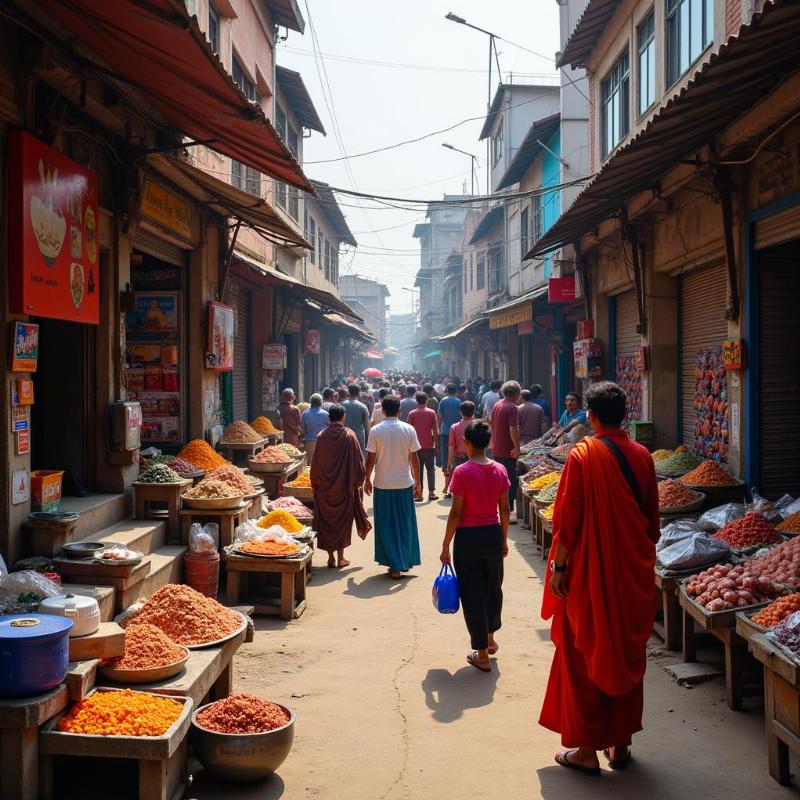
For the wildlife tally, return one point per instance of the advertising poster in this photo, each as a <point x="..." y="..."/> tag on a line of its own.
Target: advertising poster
<point x="25" y="347"/>
<point x="311" y="340"/>
<point x="53" y="220"/>
<point x="221" y="322"/>
<point x="154" y="316"/>
<point x="273" y="356"/>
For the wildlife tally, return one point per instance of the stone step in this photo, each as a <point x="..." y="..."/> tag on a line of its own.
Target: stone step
<point x="103" y="594"/>
<point x="166" y="566"/>
<point x="144" y="535"/>
<point x="97" y="511"/>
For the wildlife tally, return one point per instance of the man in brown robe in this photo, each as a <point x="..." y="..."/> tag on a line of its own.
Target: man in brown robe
<point x="337" y="473"/>
<point x="289" y="420"/>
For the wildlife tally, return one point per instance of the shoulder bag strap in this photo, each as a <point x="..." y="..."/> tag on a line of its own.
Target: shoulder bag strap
<point x="626" y="471"/>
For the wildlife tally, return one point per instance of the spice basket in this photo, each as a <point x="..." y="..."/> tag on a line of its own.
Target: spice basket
<point x="717" y="619"/>
<point x="256" y="466"/>
<point x="144" y="675"/>
<point x="718" y="495"/>
<point x="300" y="492"/>
<point x="746" y="627"/>
<point x="684" y="509"/>
<point x="213" y="503"/>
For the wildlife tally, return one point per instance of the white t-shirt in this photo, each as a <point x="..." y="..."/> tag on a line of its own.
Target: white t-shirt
<point x="377" y="414"/>
<point x="392" y="441"/>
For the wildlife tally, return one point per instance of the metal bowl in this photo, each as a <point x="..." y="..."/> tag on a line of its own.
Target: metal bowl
<point x="242" y="756"/>
<point x="83" y="549"/>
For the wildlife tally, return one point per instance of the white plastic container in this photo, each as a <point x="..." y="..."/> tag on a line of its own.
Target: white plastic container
<point x="83" y="611"/>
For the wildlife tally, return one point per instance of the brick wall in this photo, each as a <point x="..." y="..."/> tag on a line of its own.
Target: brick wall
<point x="733" y="17"/>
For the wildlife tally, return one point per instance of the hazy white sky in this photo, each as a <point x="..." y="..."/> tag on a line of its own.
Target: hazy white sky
<point x="378" y="105"/>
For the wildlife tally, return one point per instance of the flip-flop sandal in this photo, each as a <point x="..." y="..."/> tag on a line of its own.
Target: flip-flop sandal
<point x="472" y="658"/>
<point x="619" y="763"/>
<point x="395" y="576"/>
<point x="493" y="650"/>
<point x="331" y="564"/>
<point x="563" y="761"/>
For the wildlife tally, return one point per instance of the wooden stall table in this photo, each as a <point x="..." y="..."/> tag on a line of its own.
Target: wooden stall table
<point x="273" y="481"/>
<point x="781" y="704"/>
<point x="721" y="625"/>
<point x="227" y="519"/>
<point x="145" y="494"/>
<point x="525" y="502"/>
<point x="293" y="572"/>
<point x="669" y="627"/>
<point x="20" y="719"/>
<point x="256" y="499"/>
<point x="240" y="453"/>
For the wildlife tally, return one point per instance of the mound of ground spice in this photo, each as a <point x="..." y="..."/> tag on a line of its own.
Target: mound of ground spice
<point x="749" y="530"/>
<point x="212" y="489"/>
<point x="123" y="713"/>
<point x="281" y="517"/>
<point x="791" y="524"/>
<point x="657" y="455"/>
<point x="242" y="713"/>
<point x="180" y="466"/>
<point x="709" y="473"/>
<point x="240" y="432"/>
<point x="202" y="455"/>
<point x="233" y="476"/>
<point x="672" y="494"/>
<point x="263" y="425"/>
<point x="146" y="647"/>
<point x="186" y="616"/>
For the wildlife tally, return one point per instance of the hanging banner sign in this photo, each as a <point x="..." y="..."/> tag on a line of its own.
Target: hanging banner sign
<point x="561" y="290"/>
<point x="514" y="316"/>
<point x="273" y="356"/>
<point x="53" y="216"/>
<point x="311" y="342"/>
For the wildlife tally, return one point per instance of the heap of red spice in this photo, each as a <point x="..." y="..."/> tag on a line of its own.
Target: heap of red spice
<point x="242" y="713"/>
<point x="146" y="647"/>
<point x="749" y="530"/>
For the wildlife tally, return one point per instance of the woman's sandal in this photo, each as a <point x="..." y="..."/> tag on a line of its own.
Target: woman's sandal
<point x="562" y="759"/>
<point x="483" y="666"/>
<point x="618" y="763"/>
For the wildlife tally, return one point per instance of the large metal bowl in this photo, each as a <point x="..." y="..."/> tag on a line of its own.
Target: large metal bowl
<point x="242" y="756"/>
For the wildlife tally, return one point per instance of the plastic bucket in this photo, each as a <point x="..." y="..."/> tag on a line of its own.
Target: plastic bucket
<point x="201" y="572"/>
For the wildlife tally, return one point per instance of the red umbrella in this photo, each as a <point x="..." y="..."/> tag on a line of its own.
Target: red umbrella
<point x="371" y="372"/>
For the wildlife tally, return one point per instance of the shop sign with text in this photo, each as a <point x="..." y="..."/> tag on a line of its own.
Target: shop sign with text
<point x="514" y="316"/>
<point x="168" y="210"/>
<point x="561" y="290"/>
<point x="273" y="356"/>
<point x="55" y="268"/>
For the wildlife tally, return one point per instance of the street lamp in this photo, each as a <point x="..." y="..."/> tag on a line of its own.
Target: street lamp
<point x="473" y="165"/>
<point x="492" y="48"/>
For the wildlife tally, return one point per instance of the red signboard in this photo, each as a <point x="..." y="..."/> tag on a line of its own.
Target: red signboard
<point x="311" y="341"/>
<point x="561" y="290"/>
<point x="55" y="268"/>
<point x="525" y="328"/>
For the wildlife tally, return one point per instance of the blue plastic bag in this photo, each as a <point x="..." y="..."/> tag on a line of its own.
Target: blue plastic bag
<point x="445" y="591"/>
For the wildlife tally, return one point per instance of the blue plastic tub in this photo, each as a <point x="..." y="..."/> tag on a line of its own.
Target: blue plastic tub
<point x="34" y="653"/>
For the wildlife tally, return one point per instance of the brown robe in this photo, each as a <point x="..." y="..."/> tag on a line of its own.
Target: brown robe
<point x="337" y="474"/>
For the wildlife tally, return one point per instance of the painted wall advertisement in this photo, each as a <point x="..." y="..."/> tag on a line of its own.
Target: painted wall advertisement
<point x="221" y="323"/>
<point x="311" y="341"/>
<point x="52" y="234"/>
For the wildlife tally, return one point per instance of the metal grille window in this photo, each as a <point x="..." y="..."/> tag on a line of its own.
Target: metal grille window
<point x="471" y="271"/>
<point x="213" y="28"/>
<point x="335" y="266"/>
<point x="241" y="79"/>
<point x="245" y="178"/>
<point x="497" y="144"/>
<point x="495" y="265"/>
<point x="312" y="238"/>
<point x="294" y="202"/>
<point x="292" y="140"/>
<point x="615" y="101"/>
<point x="481" y="277"/>
<point x="690" y="30"/>
<point x="646" y="40"/>
<point x="523" y="233"/>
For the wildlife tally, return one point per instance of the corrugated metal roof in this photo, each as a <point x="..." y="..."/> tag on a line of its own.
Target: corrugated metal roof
<point x="300" y="101"/>
<point x="287" y="14"/>
<point x="587" y="31"/>
<point x="540" y="130"/>
<point x="744" y="71"/>
<point x="327" y="202"/>
<point x="491" y="218"/>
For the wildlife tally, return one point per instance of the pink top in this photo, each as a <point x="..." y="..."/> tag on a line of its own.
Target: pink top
<point x="423" y="421"/>
<point x="481" y="486"/>
<point x="457" y="443"/>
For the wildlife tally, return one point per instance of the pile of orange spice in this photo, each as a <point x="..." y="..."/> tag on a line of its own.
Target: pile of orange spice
<point x="263" y="425"/>
<point x="202" y="455"/>
<point x="121" y="713"/>
<point x="791" y="524"/>
<point x="303" y="481"/>
<point x="285" y="519"/>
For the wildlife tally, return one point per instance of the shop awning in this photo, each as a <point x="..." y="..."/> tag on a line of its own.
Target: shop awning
<point x="156" y="48"/>
<point x="538" y="134"/>
<point x="391" y="351"/>
<point x="352" y="326"/>
<point x="326" y="300"/>
<point x="374" y="355"/>
<point x="467" y="326"/>
<point x="744" y="71"/>
<point x="294" y="88"/>
<point x="433" y="354"/>
<point x="491" y="218"/>
<point x="587" y="32"/>
<point x="515" y="311"/>
<point x="327" y="202"/>
<point x="226" y="200"/>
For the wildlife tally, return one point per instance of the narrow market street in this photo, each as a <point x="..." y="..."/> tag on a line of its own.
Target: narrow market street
<point x="388" y="708"/>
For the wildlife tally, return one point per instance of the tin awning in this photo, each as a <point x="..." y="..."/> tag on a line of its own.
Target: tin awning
<point x="226" y="200"/>
<point x="374" y="355"/>
<point x="351" y="325"/>
<point x="467" y="326"/>
<point x="157" y="49"/>
<point x="433" y="354"/>
<point x="515" y="311"/>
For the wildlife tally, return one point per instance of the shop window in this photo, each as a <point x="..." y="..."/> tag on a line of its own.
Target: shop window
<point x="280" y="122"/>
<point x="213" y="28"/>
<point x="646" y="45"/>
<point x="523" y="233"/>
<point x="497" y="144"/>
<point x="294" y="202"/>
<point x="615" y="101"/>
<point x="690" y="30"/>
<point x="245" y="178"/>
<point x="242" y="80"/>
<point x="537" y="224"/>
<point x="312" y="238"/>
<point x="481" y="277"/>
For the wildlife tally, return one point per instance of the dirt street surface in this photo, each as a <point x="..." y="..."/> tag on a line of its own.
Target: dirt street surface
<point x="388" y="708"/>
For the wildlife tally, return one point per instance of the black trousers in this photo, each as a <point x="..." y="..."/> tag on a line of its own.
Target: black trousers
<point x="427" y="462"/>
<point x="511" y="468"/>
<point x="478" y="559"/>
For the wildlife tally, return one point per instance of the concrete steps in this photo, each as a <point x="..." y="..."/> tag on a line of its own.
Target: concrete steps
<point x="145" y="535"/>
<point x="97" y="511"/>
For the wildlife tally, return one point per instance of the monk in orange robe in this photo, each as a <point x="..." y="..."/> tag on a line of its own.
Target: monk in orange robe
<point x="599" y="590"/>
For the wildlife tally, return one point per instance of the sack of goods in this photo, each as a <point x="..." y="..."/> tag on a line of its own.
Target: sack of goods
<point x="445" y="591"/>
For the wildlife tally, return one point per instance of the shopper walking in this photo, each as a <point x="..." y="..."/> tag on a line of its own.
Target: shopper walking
<point x="313" y="421"/>
<point x="449" y="414"/>
<point x="490" y="398"/>
<point x="408" y="403"/>
<point x="377" y="412"/>
<point x="478" y="521"/>
<point x="289" y="419"/>
<point x="328" y="398"/>
<point x="392" y="455"/>
<point x="538" y="398"/>
<point x="457" y="443"/>
<point x="423" y="420"/>
<point x="530" y="419"/>
<point x="505" y="437"/>
<point x="356" y="416"/>
<point x="599" y="589"/>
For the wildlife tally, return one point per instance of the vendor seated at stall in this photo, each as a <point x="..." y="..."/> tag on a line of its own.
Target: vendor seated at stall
<point x="573" y="416"/>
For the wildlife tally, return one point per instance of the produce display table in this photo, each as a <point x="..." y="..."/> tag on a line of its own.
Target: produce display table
<point x="293" y="572"/>
<point x="524" y="504"/>
<point x="668" y="628"/>
<point x="273" y="481"/>
<point x="19" y="741"/>
<point x="240" y="453"/>
<point x="161" y="760"/>
<point x="144" y="494"/>
<point x="781" y="705"/>
<point x="227" y="519"/>
<point x="721" y="625"/>
<point x="256" y="510"/>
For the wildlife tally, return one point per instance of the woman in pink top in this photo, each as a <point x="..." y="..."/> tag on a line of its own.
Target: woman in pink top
<point x="479" y="522"/>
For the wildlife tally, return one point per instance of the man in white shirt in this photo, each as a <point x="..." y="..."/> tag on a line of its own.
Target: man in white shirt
<point x="392" y="455"/>
<point x="489" y="399"/>
<point x="377" y="412"/>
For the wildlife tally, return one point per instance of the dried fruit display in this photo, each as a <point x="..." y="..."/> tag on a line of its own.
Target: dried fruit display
<point x="725" y="587"/>
<point x="776" y="612"/>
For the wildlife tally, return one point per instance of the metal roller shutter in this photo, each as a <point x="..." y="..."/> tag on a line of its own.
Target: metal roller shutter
<point x="704" y="296"/>
<point x="625" y="336"/>
<point x="779" y="440"/>
<point x="239" y="299"/>
<point x="778" y="228"/>
<point x="158" y="248"/>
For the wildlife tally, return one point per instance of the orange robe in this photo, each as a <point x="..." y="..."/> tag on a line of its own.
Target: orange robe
<point x="595" y="695"/>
